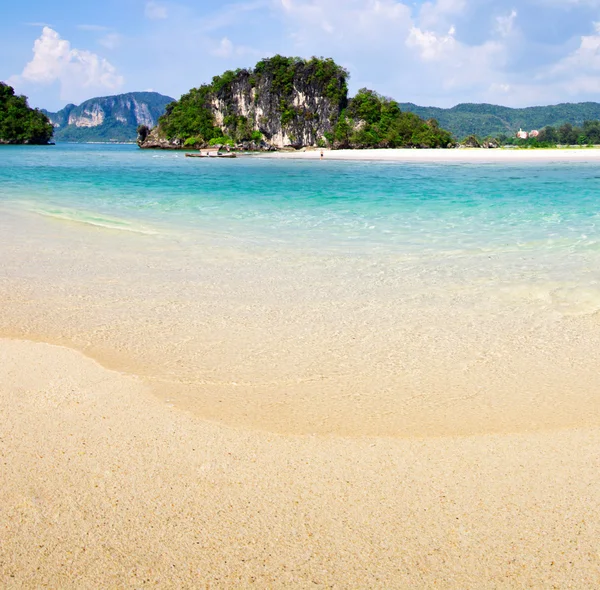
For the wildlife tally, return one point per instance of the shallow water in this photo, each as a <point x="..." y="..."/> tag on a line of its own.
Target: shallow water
<point x="314" y="296"/>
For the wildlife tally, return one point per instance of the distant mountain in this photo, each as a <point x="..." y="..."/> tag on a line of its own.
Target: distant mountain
<point x="486" y="119"/>
<point x="108" y="118"/>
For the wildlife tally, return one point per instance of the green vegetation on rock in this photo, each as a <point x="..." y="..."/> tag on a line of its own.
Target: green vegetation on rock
<point x="290" y="101"/>
<point x="372" y="121"/>
<point x="270" y="87"/>
<point x="18" y="122"/>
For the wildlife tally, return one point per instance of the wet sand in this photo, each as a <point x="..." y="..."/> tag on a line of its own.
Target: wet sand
<point x="105" y="486"/>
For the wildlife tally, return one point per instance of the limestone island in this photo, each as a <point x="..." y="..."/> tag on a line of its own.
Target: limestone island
<point x="289" y="103"/>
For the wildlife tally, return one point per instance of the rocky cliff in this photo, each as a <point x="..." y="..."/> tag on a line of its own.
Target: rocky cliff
<point x="109" y="118"/>
<point x="280" y="102"/>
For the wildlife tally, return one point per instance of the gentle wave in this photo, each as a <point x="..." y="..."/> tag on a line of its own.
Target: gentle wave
<point x="94" y="219"/>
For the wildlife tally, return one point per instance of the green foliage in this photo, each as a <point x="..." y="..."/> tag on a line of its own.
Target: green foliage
<point x="549" y="137"/>
<point x="471" y="141"/>
<point x="256" y="136"/>
<point x="278" y="76"/>
<point x="193" y="142"/>
<point x="288" y="114"/>
<point x="221" y="141"/>
<point x="191" y="116"/>
<point x="18" y="122"/>
<point x="372" y="121"/>
<point x="485" y="120"/>
<point x="332" y="77"/>
<point x="224" y="81"/>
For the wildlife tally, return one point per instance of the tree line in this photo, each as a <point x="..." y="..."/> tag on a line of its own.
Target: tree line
<point x="566" y="134"/>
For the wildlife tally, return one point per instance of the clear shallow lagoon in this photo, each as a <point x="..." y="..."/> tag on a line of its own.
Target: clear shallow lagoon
<point x="398" y="207"/>
<point x="393" y="286"/>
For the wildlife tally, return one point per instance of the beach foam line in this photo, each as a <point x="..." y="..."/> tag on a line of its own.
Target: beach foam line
<point x="94" y="219"/>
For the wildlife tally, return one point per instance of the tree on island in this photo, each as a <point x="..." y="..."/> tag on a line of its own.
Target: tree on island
<point x="373" y="121"/>
<point x="303" y="101"/>
<point x="20" y="124"/>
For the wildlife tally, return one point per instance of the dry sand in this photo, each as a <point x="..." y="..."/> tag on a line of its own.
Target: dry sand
<point x="467" y="155"/>
<point x="105" y="486"/>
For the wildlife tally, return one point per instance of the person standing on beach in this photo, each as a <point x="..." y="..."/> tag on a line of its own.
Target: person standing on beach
<point x="321" y="154"/>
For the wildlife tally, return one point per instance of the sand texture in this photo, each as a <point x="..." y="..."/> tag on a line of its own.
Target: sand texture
<point x="105" y="486"/>
<point x="467" y="155"/>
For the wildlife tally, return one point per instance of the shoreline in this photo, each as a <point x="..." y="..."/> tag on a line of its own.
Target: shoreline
<point x="463" y="156"/>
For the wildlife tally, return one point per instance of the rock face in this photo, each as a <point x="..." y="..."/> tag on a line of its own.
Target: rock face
<point x="110" y="118"/>
<point x="309" y="114"/>
<point x="281" y="102"/>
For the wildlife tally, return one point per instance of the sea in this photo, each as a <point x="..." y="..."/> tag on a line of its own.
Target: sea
<point x="314" y="297"/>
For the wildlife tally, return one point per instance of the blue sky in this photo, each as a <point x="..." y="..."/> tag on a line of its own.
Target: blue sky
<point x="440" y="52"/>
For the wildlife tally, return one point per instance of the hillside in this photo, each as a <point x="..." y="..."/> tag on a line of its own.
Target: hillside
<point x="485" y="120"/>
<point x="20" y="124"/>
<point x="288" y="102"/>
<point x="108" y="118"/>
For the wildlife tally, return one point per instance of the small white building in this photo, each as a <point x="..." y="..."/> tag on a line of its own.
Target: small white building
<point x="534" y="133"/>
<point x="522" y="134"/>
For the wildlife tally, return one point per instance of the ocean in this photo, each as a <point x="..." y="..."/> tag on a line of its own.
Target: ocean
<point x="314" y="297"/>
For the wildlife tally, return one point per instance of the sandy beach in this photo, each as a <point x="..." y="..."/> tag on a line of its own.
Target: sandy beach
<point x="465" y="155"/>
<point x="185" y="410"/>
<point x="104" y="486"/>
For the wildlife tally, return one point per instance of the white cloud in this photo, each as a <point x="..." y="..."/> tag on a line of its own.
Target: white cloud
<point x="439" y="15"/>
<point x="156" y="11"/>
<point x="586" y="58"/>
<point x="430" y="46"/>
<point x="226" y="49"/>
<point x="79" y="72"/>
<point x="505" y="25"/>
<point x="355" y="22"/>
<point x="223" y="49"/>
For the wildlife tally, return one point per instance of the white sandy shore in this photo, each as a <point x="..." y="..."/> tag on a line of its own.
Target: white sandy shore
<point x="451" y="155"/>
<point x="104" y="486"/>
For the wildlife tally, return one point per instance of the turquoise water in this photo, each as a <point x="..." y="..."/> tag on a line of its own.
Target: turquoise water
<point x="396" y="207"/>
<point x="501" y="223"/>
<point x="314" y="296"/>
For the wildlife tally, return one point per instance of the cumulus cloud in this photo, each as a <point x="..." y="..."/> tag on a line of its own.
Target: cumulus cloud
<point x="156" y="11"/>
<point x="356" y="21"/>
<point x="79" y="72"/>
<point x="430" y="46"/>
<point x="411" y="53"/>
<point x="448" y="51"/>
